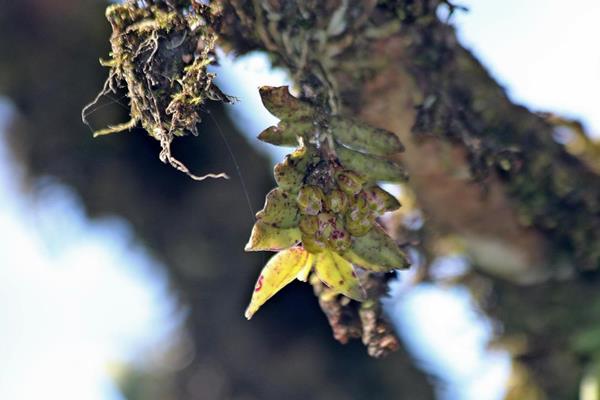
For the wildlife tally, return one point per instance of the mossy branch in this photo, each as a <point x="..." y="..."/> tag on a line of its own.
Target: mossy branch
<point x="160" y="52"/>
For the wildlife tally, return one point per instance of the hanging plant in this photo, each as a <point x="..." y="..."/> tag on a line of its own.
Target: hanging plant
<point x="322" y="216"/>
<point x="159" y="54"/>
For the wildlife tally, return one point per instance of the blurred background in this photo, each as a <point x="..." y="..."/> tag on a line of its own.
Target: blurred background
<point x="121" y="278"/>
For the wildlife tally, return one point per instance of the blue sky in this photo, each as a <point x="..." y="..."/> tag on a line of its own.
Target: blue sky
<point x="77" y="298"/>
<point x="545" y="52"/>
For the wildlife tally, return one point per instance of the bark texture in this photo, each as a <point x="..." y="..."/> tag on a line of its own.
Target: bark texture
<point x="485" y="171"/>
<point x="196" y="230"/>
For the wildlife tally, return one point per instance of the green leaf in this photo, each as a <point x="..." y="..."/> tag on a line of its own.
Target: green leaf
<point x="338" y="274"/>
<point x="265" y="237"/>
<point x="376" y="251"/>
<point x="380" y="200"/>
<point x="364" y="137"/>
<point x="279" y="137"/>
<point x="281" y="269"/>
<point x="283" y="105"/>
<point x="286" y="133"/>
<point x="372" y="168"/>
<point x="280" y="210"/>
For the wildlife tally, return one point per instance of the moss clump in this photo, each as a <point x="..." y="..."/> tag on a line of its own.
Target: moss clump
<point x="160" y="52"/>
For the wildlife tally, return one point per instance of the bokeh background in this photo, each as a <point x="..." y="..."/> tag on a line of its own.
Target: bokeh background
<point x="121" y="278"/>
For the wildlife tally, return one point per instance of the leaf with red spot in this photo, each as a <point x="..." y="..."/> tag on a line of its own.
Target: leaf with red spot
<point x="281" y="269"/>
<point x="339" y="275"/>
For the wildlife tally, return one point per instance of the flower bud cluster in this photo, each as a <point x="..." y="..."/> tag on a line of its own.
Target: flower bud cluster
<point x="330" y="214"/>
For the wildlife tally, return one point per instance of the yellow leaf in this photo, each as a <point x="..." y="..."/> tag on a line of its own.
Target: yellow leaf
<point x="269" y="238"/>
<point x="305" y="271"/>
<point x="339" y="275"/>
<point x="281" y="269"/>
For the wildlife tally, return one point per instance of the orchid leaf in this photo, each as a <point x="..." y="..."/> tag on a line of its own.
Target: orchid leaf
<point x="266" y="237"/>
<point x="281" y="269"/>
<point x="376" y="251"/>
<point x="338" y="274"/>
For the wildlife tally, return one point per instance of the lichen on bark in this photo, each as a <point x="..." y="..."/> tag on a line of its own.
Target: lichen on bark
<point x="462" y="104"/>
<point x="160" y="54"/>
<point x="483" y="168"/>
<point x="181" y="223"/>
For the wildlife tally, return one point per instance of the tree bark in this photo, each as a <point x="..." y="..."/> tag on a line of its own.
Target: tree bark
<point x="484" y="170"/>
<point x="196" y="230"/>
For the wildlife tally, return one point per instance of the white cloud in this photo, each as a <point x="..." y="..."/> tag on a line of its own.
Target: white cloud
<point x="74" y="296"/>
